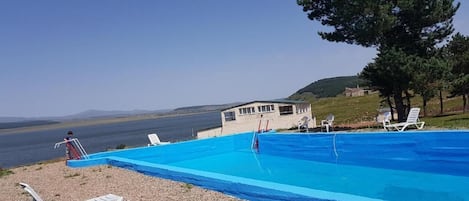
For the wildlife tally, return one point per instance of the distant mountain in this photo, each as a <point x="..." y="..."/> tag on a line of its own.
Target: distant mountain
<point x="89" y="114"/>
<point x="13" y="122"/>
<point x="22" y="123"/>
<point x="12" y="119"/>
<point x="103" y="113"/>
<point x="329" y="87"/>
<point x="204" y="108"/>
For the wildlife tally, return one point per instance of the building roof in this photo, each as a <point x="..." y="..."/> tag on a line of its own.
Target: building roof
<point x="285" y="101"/>
<point x="353" y="89"/>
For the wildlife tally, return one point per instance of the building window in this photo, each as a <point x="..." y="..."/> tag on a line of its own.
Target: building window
<point x="302" y="109"/>
<point x="229" y="116"/>
<point x="265" y="108"/>
<point x="247" y="110"/>
<point x="285" y="110"/>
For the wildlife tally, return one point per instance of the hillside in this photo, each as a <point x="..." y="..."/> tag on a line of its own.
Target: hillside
<point x="204" y="108"/>
<point x="19" y="124"/>
<point x="329" y="87"/>
<point x="324" y="96"/>
<point x="350" y="111"/>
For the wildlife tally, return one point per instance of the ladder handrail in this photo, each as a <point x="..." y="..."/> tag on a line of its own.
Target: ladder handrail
<point x="77" y="144"/>
<point x="81" y="148"/>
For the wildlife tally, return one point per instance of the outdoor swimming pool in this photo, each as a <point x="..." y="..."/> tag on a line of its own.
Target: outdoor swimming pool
<point x="366" y="166"/>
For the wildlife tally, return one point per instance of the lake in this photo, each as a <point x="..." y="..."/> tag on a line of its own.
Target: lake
<point x="31" y="147"/>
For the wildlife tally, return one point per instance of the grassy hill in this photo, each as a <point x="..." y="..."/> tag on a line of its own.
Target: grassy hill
<point x="329" y="87"/>
<point x="326" y="97"/>
<point x="347" y="110"/>
<point x="355" y="110"/>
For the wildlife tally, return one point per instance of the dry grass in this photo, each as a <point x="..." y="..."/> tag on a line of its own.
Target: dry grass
<point x="360" y="112"/>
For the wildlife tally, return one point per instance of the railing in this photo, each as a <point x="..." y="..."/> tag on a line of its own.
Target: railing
<point x="76" y="144"/>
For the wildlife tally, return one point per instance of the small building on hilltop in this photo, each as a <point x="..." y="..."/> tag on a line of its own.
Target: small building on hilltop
<point x="262" y="115"/>
<point x="353" y="92"/>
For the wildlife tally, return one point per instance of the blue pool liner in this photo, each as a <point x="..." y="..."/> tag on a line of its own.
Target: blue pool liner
<point x="443" y="152"/>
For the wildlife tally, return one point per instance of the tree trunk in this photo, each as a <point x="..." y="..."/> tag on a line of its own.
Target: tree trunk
<point x="400" y="107"/>
<point x="441" y="102"/>
<point x="464" y="99"/>
<point x="408" y="106"/>
<point x="424" y="107"/>
<point x="388" y="99"/>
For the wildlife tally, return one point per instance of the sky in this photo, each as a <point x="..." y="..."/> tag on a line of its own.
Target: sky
<point x="64" y="57"/>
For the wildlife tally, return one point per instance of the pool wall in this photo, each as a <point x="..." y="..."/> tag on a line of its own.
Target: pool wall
<point x="173" y="152"/>
<point x="445" y="152"/>
<point x="240" y="187"/>
<point x="244" y="188"/>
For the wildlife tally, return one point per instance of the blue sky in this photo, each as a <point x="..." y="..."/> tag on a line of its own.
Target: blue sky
<point x="64" y="57"/>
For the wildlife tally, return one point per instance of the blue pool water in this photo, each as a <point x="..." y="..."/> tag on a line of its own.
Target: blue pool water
<point x="379" y="183"/>
<point x="378" y="166"/>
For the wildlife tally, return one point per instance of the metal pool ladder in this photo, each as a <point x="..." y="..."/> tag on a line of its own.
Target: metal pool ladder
<point x="76" y="143"/>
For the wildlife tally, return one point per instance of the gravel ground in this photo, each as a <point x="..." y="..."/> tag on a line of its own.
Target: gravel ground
<point x="55" y="181"/>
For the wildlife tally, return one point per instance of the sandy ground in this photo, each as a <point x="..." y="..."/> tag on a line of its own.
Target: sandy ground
<point x="55" y="181"/>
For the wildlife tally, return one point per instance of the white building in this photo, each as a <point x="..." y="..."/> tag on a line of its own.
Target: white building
<point x="262" y="115"/>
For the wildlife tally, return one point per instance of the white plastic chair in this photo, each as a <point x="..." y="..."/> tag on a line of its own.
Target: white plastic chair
<point x="155" y="140"/>
<point x="386" y="119"/>
<point x="303" y="124"/>
<point x="328" y="122"/>
<point x="412" y="120"/>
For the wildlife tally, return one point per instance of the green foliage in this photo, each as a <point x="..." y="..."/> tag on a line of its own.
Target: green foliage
<point x="390" y="75"/>
<point x="121" y="146"/>
<point x="413" y="25"/>
<point x="429" y="76"/>
<point x="329" y="87"/>
<point x="389" y="72"/>
<point x="361" y="22"/>
<point x="402" y="31"/>
<point x="458" y="52"/>
<point x="305" y="96"/>
<point x="187" y="186"/>
<point x="5" y="172"/>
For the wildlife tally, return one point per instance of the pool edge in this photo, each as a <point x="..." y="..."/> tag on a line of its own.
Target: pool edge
<point x="243" y="188"/>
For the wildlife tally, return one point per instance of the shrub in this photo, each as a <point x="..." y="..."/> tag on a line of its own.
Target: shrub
<point x="5" y="172"/>
<point x="121" y="146"/>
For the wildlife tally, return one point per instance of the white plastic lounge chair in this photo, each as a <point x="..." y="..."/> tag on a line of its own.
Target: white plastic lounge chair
<point x="155" y="140"/>
<point x="108" y="197"/>
<point x="328" y="122"/>
<point x="412" y="120"/>
<point x="31" y="192"/>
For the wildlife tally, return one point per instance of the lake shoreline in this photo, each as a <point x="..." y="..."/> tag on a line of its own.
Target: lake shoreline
<point x="94" y="121"/>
